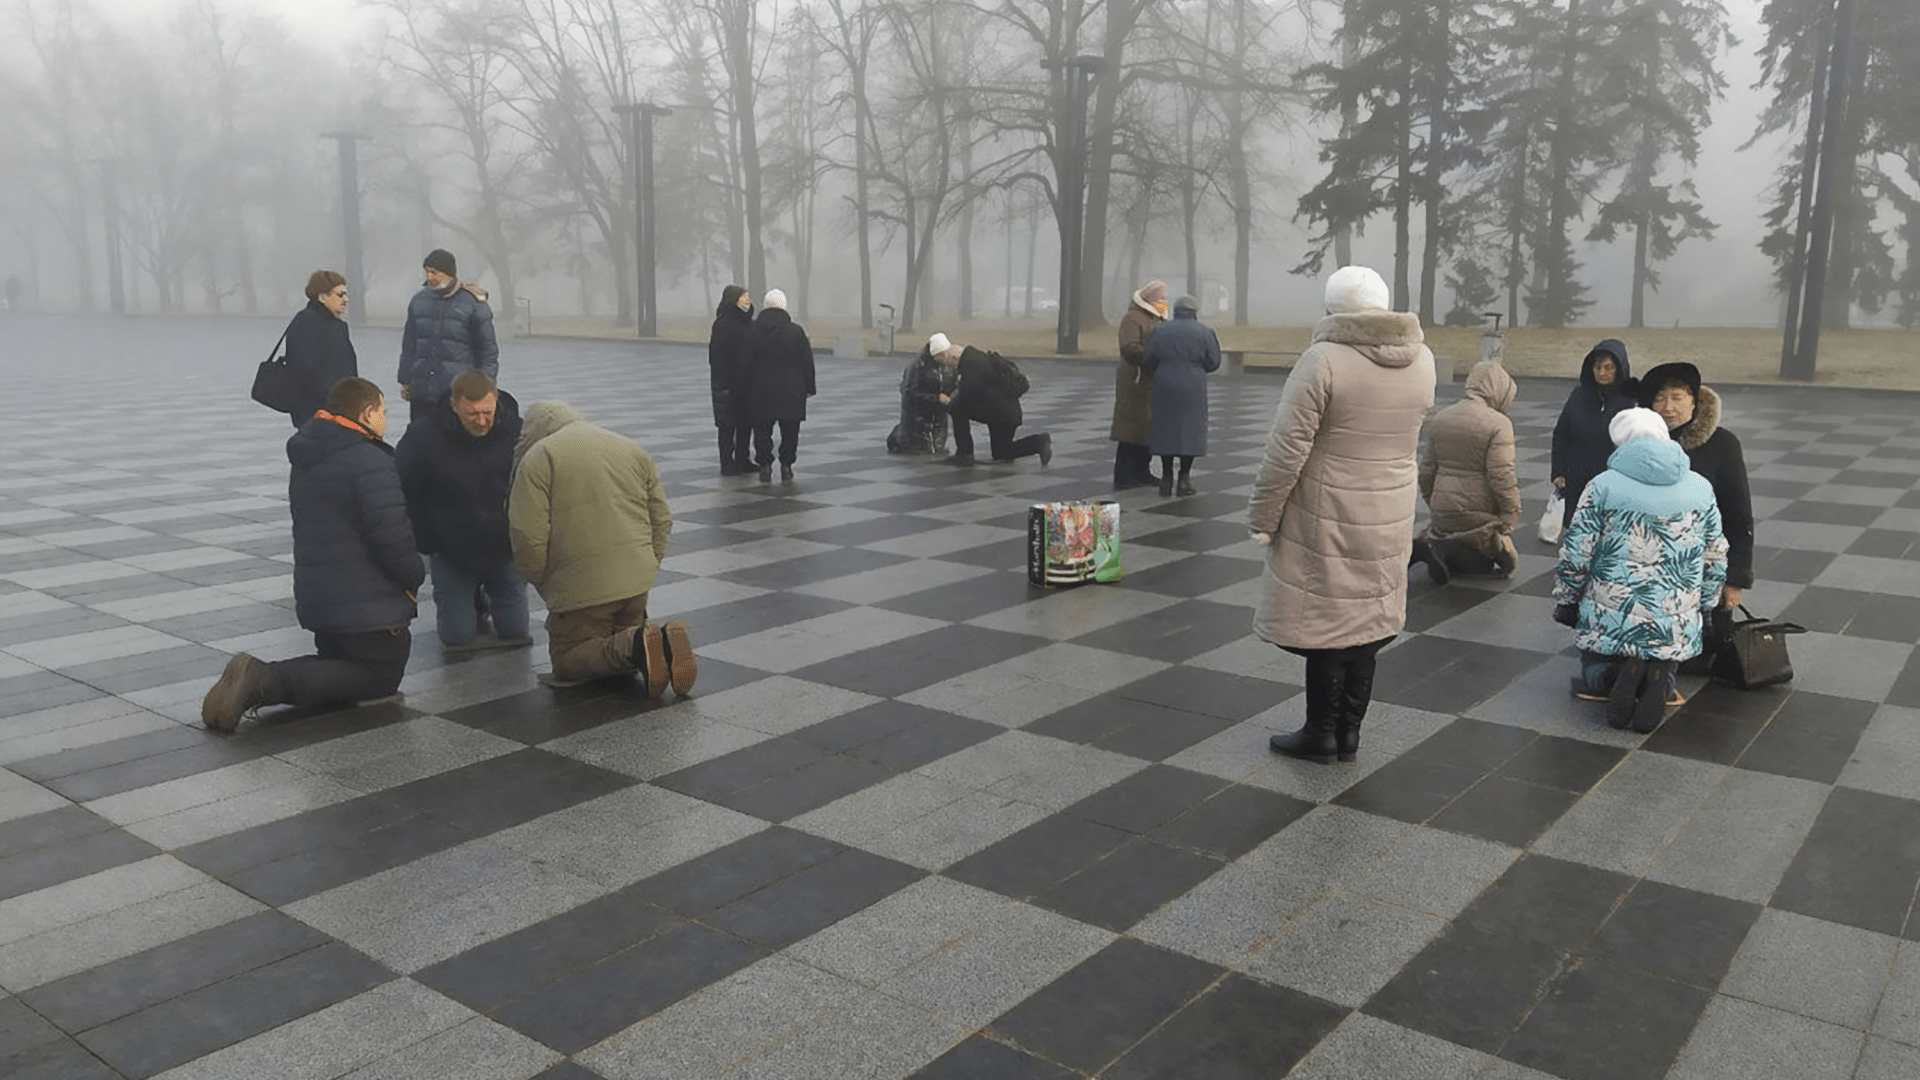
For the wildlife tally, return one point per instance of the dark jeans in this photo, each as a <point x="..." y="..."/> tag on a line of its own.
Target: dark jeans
<point x="1466" y="557"/>
<point x="347" y="668"/>
<point x="736" y="449"/>
<point x="1340" y="681"/>
<point x="1000" y="438"/>
<point x="1132" y="465"/>
<point x="763" y="442"/>
<point x="456" y="589"/>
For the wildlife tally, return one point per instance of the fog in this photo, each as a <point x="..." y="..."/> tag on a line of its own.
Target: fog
<point x="486" y="127"/>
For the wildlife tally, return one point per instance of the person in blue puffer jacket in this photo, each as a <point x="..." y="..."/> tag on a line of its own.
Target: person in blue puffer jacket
<point x="449" y="329"/>
<point x="1641" y="566"/>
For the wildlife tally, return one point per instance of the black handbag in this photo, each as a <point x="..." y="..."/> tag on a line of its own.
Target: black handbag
<point x="275" y="384"/>
<point x="1754" y="652"/>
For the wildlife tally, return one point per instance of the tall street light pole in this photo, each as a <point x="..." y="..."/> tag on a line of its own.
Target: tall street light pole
<point x="645" y="230"/>
<point x="1078" y="72"/>
<point x="350" y="220"/>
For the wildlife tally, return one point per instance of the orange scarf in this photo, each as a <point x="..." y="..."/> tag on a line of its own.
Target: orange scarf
<point x="350" y="425"/>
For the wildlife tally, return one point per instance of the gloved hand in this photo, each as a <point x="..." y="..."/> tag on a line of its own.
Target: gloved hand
<point x="1566" y="614"/>
<point x="1261" y="538"/>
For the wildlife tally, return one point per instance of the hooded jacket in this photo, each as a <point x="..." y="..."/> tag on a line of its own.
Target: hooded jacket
<point x="1644" y="557"/>
<point x="1338" y="484"/>
<point x="588" y="514"/>
<point x="1581" y="444"/>
<point x="321" y="352"/>
<point x="355" y="567"/>
<point x="777" y="364"/>
<point x="1715" y="453"/>
<point x="1467" y="474"/>
<point x="730" y="328"/>
<point x="445" y="335"/>
<point x="1180" y="353"/>
<point x="457" y="485"/>
<point x="1132" y="379"/>
<point x="987" y="392"/>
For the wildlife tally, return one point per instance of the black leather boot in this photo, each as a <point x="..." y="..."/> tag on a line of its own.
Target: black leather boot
<point x="1317" y="740"/>
<point x="1356" y="692"/>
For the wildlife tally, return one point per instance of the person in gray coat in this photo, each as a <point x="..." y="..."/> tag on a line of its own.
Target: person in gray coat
<point x="1180" y="354"/>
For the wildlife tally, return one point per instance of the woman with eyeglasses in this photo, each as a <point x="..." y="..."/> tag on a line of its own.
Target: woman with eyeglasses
<point x="318" y="348"/>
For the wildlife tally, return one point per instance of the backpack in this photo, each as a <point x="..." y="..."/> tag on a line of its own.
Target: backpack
<point x="1009" y="372"/>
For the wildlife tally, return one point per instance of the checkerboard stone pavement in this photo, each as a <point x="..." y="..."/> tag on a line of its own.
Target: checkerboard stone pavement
<point x="919" y="819"/>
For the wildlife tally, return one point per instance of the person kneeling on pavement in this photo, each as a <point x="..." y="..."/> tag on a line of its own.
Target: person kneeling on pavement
<point x="456" y="466"/>
<point x="355" y="568"/>
<point x="589" y="522"/>
<point x="926" y="386"/>
<point x="1470" y="483"/>
<point x="990" y="390"/>
<point x="1641" y="566"/>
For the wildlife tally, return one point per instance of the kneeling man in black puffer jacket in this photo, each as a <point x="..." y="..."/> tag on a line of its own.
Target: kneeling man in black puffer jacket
<point x="355" y="568"/>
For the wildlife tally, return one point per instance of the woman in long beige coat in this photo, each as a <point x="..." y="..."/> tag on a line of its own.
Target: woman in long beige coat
<point x="1335" y="501"/>
<point x="1468" y="478"/>
<point x="1133" y="389"/>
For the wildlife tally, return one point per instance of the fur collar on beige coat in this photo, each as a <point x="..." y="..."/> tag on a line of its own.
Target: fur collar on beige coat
<point x="1338" y="486"/>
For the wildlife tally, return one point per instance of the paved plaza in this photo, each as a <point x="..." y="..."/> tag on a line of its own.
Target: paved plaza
<point x="918" y="819"/>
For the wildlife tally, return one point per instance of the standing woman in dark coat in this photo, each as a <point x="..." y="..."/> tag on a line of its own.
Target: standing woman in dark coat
<point x="777" y="364"/>
<point x="318" y="349"/>
<point x="1581" y="444"/>
<point x="1692" y="413"/>
<point x="1180" y="353"/>
<point x="990" y="389"/>
<point x="731" y="322"/>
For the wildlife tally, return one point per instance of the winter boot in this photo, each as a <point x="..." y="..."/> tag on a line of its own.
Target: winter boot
<point x="1317" y="740"/>
<point x="245" y="685"/>
<point x="1655" y="695"/>
<point x="786" y="473"/>
<point x="1046" y="450"/>
<point x="766" y="473"/>
<point x="1356" y="693"/>
<point x="1423" y="552"/>
<point x="650" y="658"/>
<point x="682" y="667"/>
<point x="1166" y="486"/>
<point x="1623" y="698"/>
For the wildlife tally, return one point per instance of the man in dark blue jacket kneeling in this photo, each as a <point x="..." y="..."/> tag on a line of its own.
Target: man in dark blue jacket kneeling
<point x="356" y="571"/>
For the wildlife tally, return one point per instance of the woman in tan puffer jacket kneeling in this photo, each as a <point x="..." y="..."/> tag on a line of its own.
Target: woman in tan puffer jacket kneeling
<point x="1468" y="478"/>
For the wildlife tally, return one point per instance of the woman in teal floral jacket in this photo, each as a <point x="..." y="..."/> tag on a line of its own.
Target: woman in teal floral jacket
<point x="1641" y="564"/>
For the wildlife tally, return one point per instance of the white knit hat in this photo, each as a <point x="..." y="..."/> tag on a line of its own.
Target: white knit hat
<point x="774" y="299"/>
<point x="1630" y="424"/>
<point x="1356" y="288"/>
<point x="938" y="344"/>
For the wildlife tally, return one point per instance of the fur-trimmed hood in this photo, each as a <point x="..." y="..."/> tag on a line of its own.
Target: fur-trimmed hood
<point x="1706" y="420"/>
<point x="1146" y="305"/>
<point x="1391" y="339"/>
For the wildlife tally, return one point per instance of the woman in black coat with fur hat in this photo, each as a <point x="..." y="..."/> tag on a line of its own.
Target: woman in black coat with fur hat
<point x="1692" y="413"/>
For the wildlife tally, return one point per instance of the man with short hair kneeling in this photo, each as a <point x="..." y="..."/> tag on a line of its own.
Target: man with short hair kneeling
<point x="589" y="521"/>
<point x="355" y="568"/>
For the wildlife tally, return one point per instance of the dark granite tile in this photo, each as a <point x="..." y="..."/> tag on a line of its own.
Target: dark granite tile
<point x="291" y="729"/>
<point x="1812" y="737"/>
<point x="974" y="597"/>
<point x="49" y="827"/>
<point x="1828" y="513"/>
<point x="1859" y="863"/>
<point x="1409" y="789"/>
<point x="1033" y="859"/>
<point x="1825" y="609"/>
<point x="1548" y="900"/>
<point x="919" y="661"/>
<point x="581" y="1009"/>
<point x="811" y="569"/>
<point x="319" y="868"/>
<point x="1239" y="1030"/>
<point x="1203" y="505"/>
<point x="1566" y="764"/>
<point x="61" y="1059"/>
<point x="568" y="1070"/>
<point x="1606" y="1020"/>
<point x="980" y="1058"/>
<point x="488" y="976"/>
<point x="809" y="787"/>
<point x="1473" y="744"/>
<point x="22" y="1029"/>
<point x="1471" y="985"/>
<point x="1679" y="934"/>
<point x="1906" y="686"/>
<point x="1789" y="565"/>
<point x="725" y="874"/>
<point x="158" y="769"/>
<point x="743" y="768"/>
<point x="813" y="898"/>
<point x="927" y="742"/>
<point x="1505" y="810"/>
<point x="1449" y="676"/>
<point x="343" y="822"/>
<point x="1886" y="617"/>
<point x="1210" y="693"/>
<point x="1233" y="822"/>
<point x="872" y="531"/>
<point x="1135" y="880"/>
<point x="1195" y="575"/>
<point x="1430" y="605"/>
<point x="1886" y="544"/>
<point x="1197" y="536"/>
<point x="1148" y="799"/>
<point x="196" y="1024"/>
<point x="133" y="748"/>
<point x="1094" y="1013"/>
<point x="735" y="513"/>
<point x="767" y="611"/>
<point x="74" y="857"/>
<point x="128" y="985"/>
<point x="1175" y="633"/>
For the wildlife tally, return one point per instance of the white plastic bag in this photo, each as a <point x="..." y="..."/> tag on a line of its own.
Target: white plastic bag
<point x="1553" y="518"/>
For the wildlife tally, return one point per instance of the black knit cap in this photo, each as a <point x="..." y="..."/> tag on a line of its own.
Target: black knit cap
<point x="1662" y="374"/>
<point x="440" y="259"/>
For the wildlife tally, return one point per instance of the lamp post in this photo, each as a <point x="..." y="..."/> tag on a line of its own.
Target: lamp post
<point x="1079" y="72"/>
<point x="350" y="220"/>
<point x="645" y="233"/>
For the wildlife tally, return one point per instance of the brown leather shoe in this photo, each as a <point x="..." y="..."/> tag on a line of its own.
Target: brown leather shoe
<point x="682" y="666"/>
<point x="650" y="658"/>
<point x="245" y="685"/>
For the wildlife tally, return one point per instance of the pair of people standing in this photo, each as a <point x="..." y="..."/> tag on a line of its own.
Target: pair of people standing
<point x="760" y="373"/>
<point x="1160" y="392"/>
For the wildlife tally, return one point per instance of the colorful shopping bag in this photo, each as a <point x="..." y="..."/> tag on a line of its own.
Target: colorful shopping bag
<point x="1071" y="543"/>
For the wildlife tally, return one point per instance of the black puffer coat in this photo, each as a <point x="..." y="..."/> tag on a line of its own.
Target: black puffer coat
<point x="444" y="336"/>
<point x="986" y="393"/>
<point x="355" y="567"/>
<point x="1714" y="453"/>
<point x="730" y="329"/>
<point x="1581" y="444"/>
<point x="321" y="354"/>
<point x="923" y="416"/>
<point x="777" y="363"/>
<point x="457" y="485"/>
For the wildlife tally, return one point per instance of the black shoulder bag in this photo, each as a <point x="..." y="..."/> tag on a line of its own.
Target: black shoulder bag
<point x="275" y="384"/>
